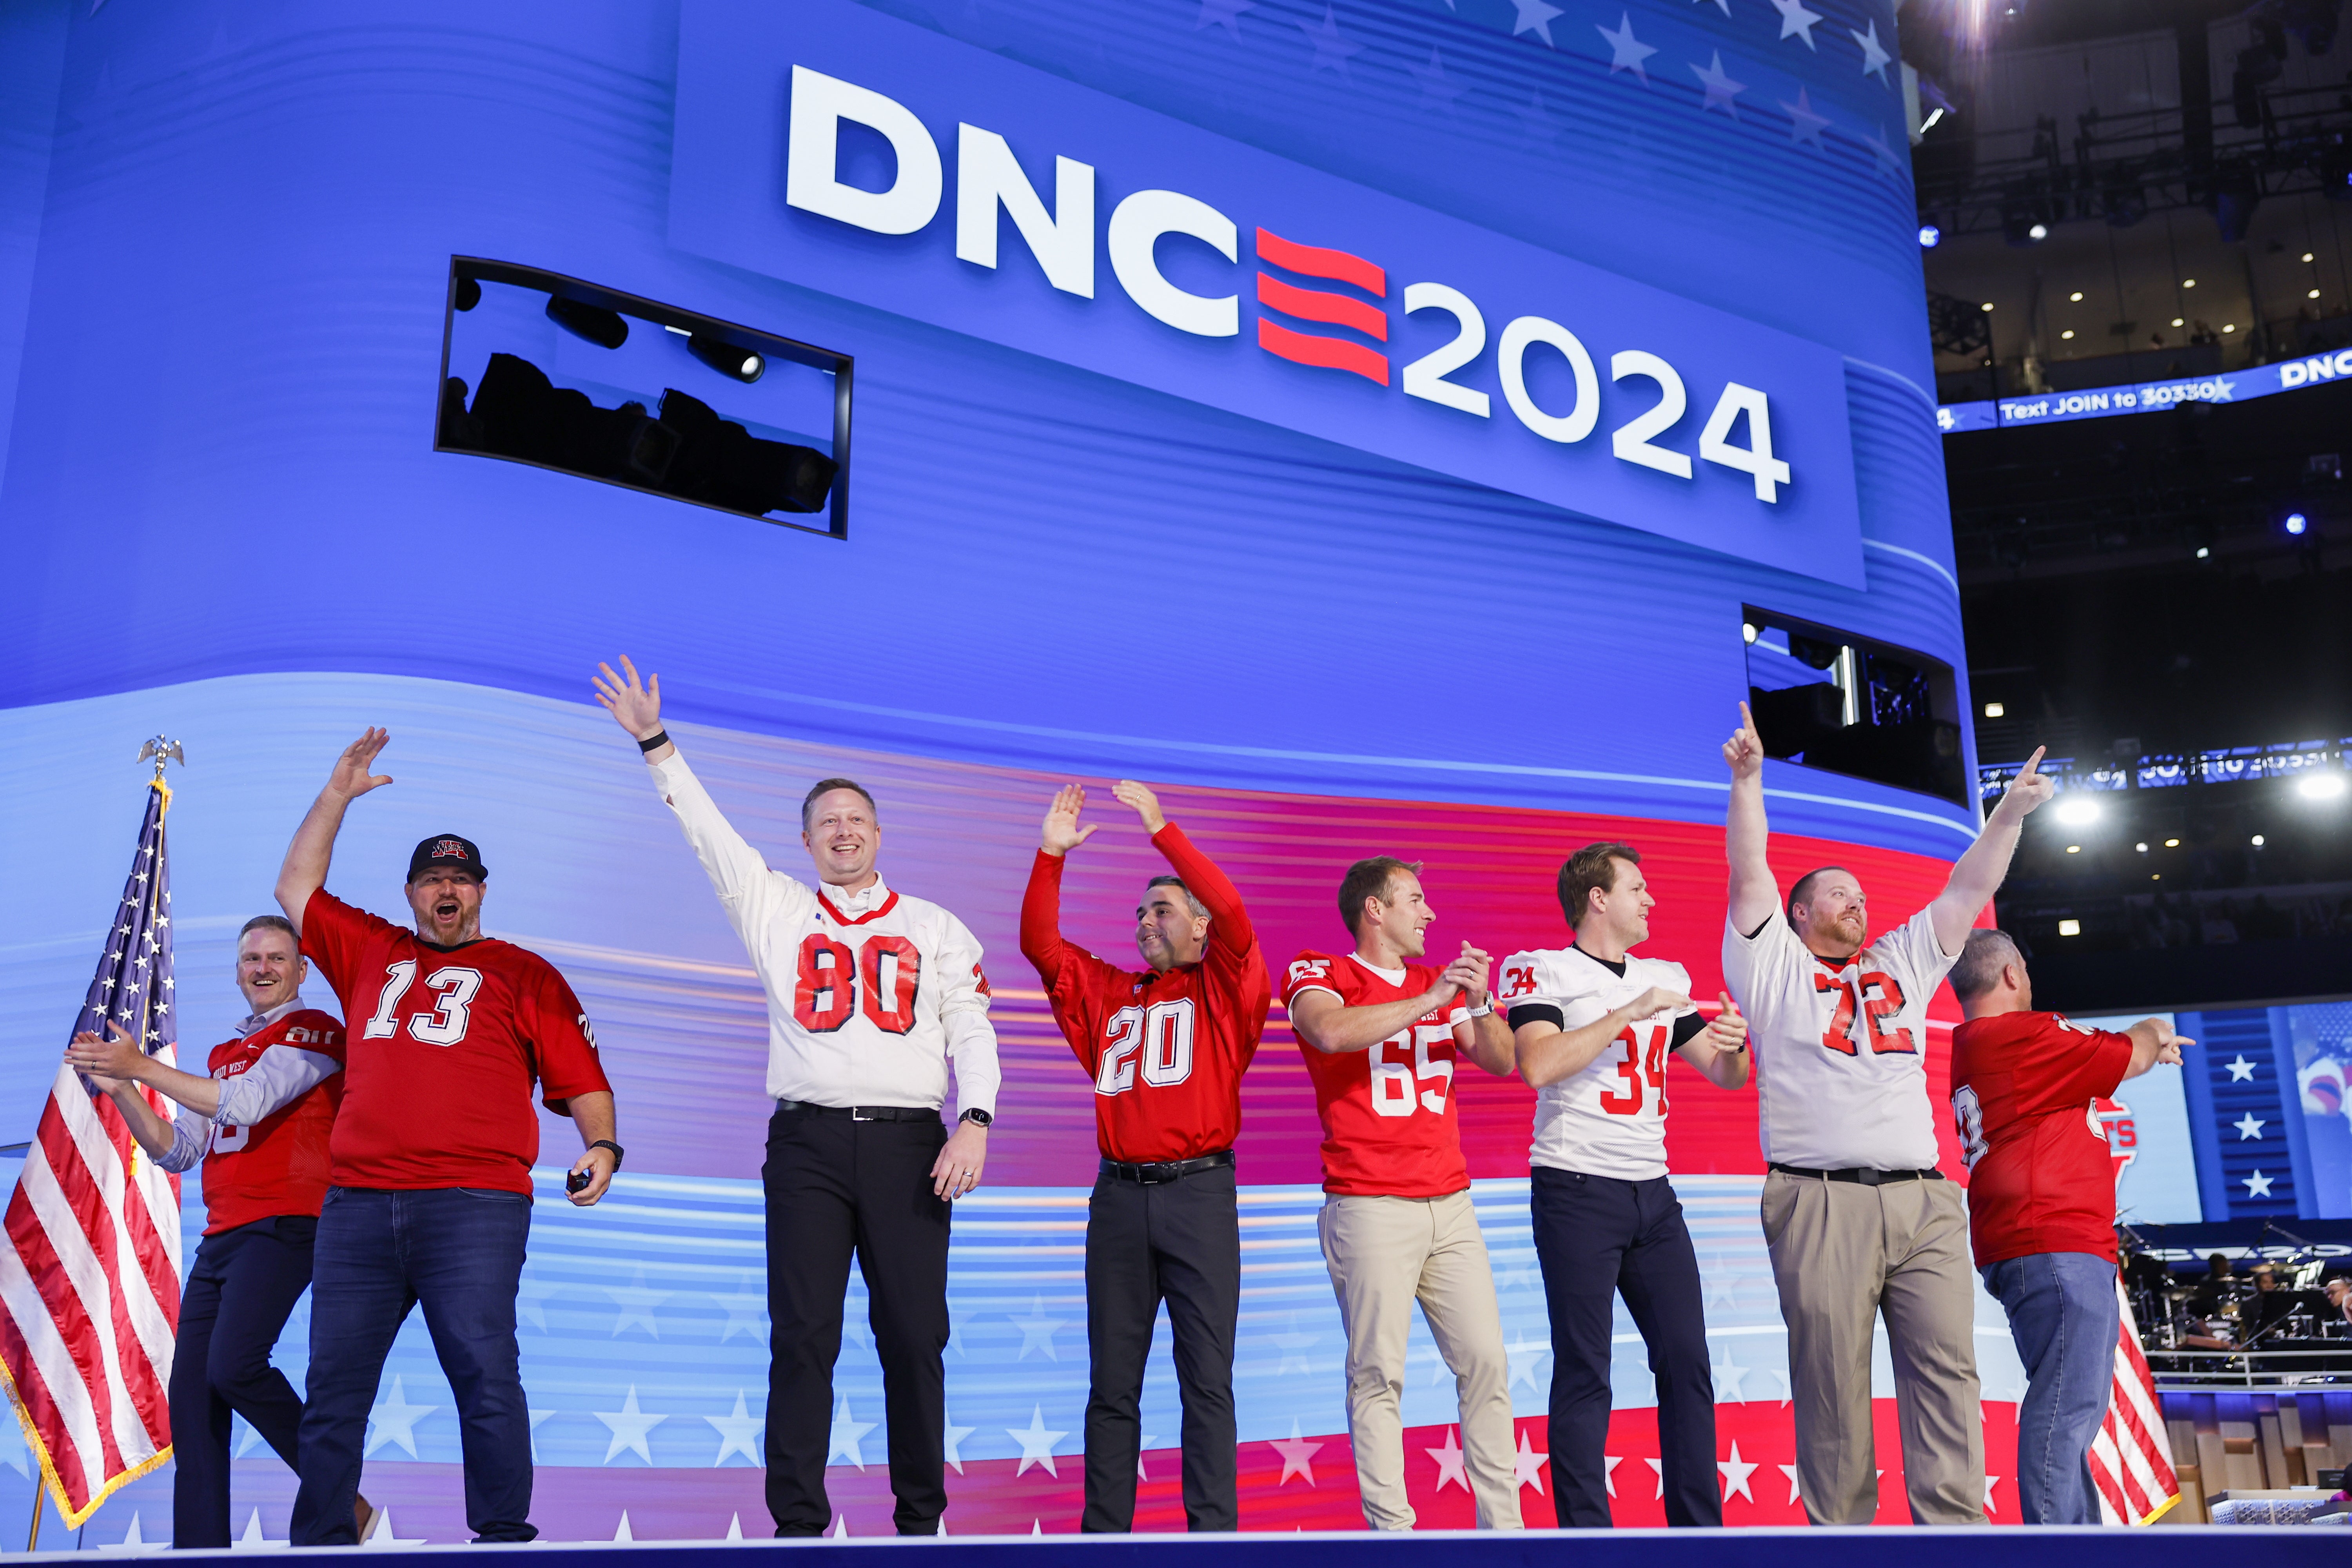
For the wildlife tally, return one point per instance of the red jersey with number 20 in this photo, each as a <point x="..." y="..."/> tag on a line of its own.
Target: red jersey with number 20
<point x="2025" y="1087"/>
<point x="1167" y="1051"/>
<point x="441" y="1048"/>
<point x="277" y="1165"/>
<point x="1388" y="1128"/>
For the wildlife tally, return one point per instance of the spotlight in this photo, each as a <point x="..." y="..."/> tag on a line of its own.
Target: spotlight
<point x="2297" y="522"/>
<point x="2070" y="928"/>
<point x="2076" y="296"/>
<point x="2172" y="844"/>
<point x="2189" y="282"/>
<point x="2074" y="849"/>
<point x="2038" y="233"/>
<point x="1994" y="710"/>
<point x="1930" y="237"/>
<point x="1748" y="632"/>
<point x="1988" y="306"/>
<point x="2177" y="322"/>
<point x="724" y="358"/>
<point x="603" y="328"/>
<point x="2320" y="786"/>
<point x="2078" y="810"/>
<point x="2068" y="334"/>
<point x="2141" y="847"/>
<point x="2202" y="553"/>
<point x="2258" y="841"/>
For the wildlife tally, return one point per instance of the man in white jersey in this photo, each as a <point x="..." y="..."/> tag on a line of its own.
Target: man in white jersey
<point x="871" y="994"/>
<point x="1594" y="1025"/>
<point x="1858" y="1219"/>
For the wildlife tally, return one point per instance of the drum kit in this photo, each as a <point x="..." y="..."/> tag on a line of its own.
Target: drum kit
<point x="2278" y="1306"/>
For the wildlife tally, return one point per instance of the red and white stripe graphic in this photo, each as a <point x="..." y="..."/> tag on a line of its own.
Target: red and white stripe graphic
<point x="90" y="1276"/>
<point x="2131" y="1458"/>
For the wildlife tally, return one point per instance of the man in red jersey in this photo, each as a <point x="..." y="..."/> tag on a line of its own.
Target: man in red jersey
<point x="1382" y="1037"/>
<point x="2041" y="1206"/>
<point x="259" y="1124"/>
<point x="431" y="1156"/>
<point x="1167" y="1048"/>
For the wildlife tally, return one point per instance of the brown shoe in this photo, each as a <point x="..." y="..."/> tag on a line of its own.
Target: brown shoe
<point x="363" y="1517"/>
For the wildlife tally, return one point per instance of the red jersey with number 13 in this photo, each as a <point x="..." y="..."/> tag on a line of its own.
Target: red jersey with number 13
<point x="441" y="1046"/>
<point x="1388" y="1128"/>
<point x="1166" y="1050"/>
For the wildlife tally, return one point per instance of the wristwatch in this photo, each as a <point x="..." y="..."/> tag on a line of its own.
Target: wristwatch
<point x="978" y="1117"/>
<point x="618" y="1153"/>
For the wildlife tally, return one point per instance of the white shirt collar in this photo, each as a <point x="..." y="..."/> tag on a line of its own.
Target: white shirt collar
<point x="253" y="1023"/>
<point x="859" y="903"/>
<point x="1394" y="976"/>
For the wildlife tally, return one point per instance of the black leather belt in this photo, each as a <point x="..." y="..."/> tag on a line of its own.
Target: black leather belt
<point x="1864" y="1175"/>
<point x="1165" y="1170"/>
<point x="861" y="1112"/>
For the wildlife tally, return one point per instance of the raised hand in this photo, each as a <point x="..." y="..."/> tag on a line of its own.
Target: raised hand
<point x="1469" y="973"/>
<point x="2029" y="788"/>
<point x="1146" y="804"/>
<point x="1744" y="752"/>
<point x="1728" y="1031"/>
<point x="108" y="1062"/>
<point x="1062" y="832"/>
<point x="636" y="706"/>
<point x="351" y="778"/>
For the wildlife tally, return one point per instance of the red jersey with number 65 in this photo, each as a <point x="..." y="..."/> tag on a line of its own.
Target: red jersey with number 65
<point x="441" y="1048"/>
<point x="1388" y="1128"/>
<point x="1166" y="1050"/>
<point x="2025" y="1093"/>
<point x="277" y="1165"/>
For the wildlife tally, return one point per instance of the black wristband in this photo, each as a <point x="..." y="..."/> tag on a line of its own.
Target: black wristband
<point x="618" y="1153"/>
<point x="654" y="741"/>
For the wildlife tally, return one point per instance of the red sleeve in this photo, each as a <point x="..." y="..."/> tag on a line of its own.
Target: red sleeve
<point x="1312" y="971"/>
<point x="2077" y="1064"/>
<point x="562" y="1045"/>
<point x="1041" y="918"/>
<point x="1229" y="922"/>
<point x="335" y="936"/>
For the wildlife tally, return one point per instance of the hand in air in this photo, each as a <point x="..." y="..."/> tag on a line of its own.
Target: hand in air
<point x="1062" y="832"/>
<point x="1728" y="1030"/>
<point x="1146" y="804"/>
<point x="2168" y="1051"/>
<point x="108" y="1062"/>
<point x="1744" y="752"/>
<point x="2029" y="788"/>
<point x="351" y="778"/>
<point x="635" y="705"/>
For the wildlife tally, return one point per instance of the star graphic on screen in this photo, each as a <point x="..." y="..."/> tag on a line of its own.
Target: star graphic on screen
<point x="1331" y="51"/>
<point x="1438" y="91"/>
<point x="1450" y="1470"/>
<point x="2248" y="1126"/>
<point x="953" y="1442"/>
<point x="1535" y="17"/>
<point x="1875" y="57"/>
<point x="383" y="1539"/>
<point x="2258" y="1185"/>
<point x="1294" y="1346"/>
<point x="1720" y="89"/>
<point x="622" y="1532"/>
<point x="738" y="1434"/>
<point x="1722" y="1284"/>
<point x="1723" y="6"/>
<point x="1736" y="1472"/>
<point x="1991" y="1481"/>
<point x="1036" y="1444"/>
<point x="1143" y="1446"/>
<point x="1297" y="1455"/>
<point x="1796" y="21"/>
<point x="744" y="1309"/>
<point x="840" y="1530"/>
<point x="1804" y="125"/>
<point x="855" y="1315"/>
<point x="847" y="1430"/>
<point x="253" y="1540"/>
<point x="246" y="1438"/>
<point x="735" y="1527"/>
<point x="132" y="1540"/>
<point x="1658" y="1469"/>
<point x="1727" y="1379"/>
<point x="636" y="1304"/>
<point x="1542" y="129"/>
<point x="1526" y="1469"/>
<point x="1608" y="1463"/>
<point x="1790" y="1472"/>
<point x="1038" y="1331"/>
<point x="630" y="1427"/>
<point x="1526" y="1356"/>
<point x="1228" y="15"/>
<point x="1882" y="151"/>
<point x="394" y="1421"/>
<point x="530" y="1301"/>
<point x="536" y="1417"/>
<point x="1627" y="52"/>
<point x="2241" y="1070"/>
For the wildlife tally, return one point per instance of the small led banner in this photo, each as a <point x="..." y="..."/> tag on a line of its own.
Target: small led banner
<point x="2145" y="397"/>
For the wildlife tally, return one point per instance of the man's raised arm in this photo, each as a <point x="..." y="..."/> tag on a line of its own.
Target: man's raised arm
<point x="1978" y="874"/>
<point x="1754" y="894"/>
<point x="1229" y="922"/>
<point x="307" y="857"/>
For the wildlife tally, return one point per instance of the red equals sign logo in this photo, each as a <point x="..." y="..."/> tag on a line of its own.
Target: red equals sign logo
<point x="1321" y="305"/>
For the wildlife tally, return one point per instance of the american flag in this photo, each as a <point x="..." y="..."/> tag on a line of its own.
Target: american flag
<point x="89" y="1278"/>
<point x="2131" y="1458"/>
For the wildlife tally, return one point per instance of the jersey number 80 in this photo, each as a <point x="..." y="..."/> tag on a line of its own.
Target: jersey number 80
<point x="886" y="971"/>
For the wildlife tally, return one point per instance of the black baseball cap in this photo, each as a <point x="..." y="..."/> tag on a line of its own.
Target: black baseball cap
<point x="447" y="850"/>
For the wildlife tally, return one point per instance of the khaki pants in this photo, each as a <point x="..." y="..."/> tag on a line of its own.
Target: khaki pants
<point x="1384" y="1254"/>
<point x="1842" y="1254"/>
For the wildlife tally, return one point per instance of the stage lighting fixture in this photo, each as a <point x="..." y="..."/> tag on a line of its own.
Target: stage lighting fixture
<point x="2176" y="322"/>
<point x="2078" y="810"/>
<point x="2312" y="295"/>
<point x="1930" y="237"/>
<point x="2172" y="844"/>
<point x="467" y="294"/>
<point x="1994" y="710"/>
<point x="2070" y="928"/>
<point x="2320" y="786"/>
<point x="1748" y="632"/>
<point x="2038" y="233"/>
<point x="2297" y="522"/>
<point x="2189" y="282"/>
<point x="2068" y="334"/>
<point x="1988" y="304"/>
<point x="2141" y="847"/>
<point x="2202" y="551"/>
<point x="2258" y="841"/>
<point x="606" y="329"/>
<point x="724" y="358"/>
<point x="2076" y="296"/>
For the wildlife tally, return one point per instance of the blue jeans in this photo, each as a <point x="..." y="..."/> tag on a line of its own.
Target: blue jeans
<point x="2063" y="1314"/>
<point x="459" y="1252"/>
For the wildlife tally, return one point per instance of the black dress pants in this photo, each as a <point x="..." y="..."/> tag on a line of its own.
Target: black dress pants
<point x="1597" y="1236"/>
<point x="240" y="1290"/>
<point x="1180" y="1242"/>
<point x="836" y="1186"/>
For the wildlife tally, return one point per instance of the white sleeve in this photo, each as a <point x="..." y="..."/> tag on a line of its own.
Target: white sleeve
<point x="190" y="1136"/>
<point x="1748" y="962"/>
<point x="963" y="1012"/>
<point x="751" y="894"/>
<point x="1679" y="978"/>
<point x="1919" y="953"/>
<point x="284" y="1074"/>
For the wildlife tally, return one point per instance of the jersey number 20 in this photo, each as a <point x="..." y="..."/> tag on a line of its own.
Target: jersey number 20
<point x="1161" y="1036"/>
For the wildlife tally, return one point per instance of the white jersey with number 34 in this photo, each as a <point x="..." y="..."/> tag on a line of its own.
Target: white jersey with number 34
<point x="1609" y="1120"/>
